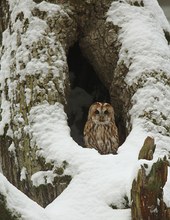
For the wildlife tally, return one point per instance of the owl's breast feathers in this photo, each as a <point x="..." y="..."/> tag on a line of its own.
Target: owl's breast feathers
<point x="102" y="137"/>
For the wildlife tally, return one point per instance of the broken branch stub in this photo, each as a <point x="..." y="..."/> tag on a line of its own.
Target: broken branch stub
<point x="147" y="149"/>
<point x="147" y="189"/>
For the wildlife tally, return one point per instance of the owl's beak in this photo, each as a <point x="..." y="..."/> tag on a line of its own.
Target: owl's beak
<point x="102" y="118"/>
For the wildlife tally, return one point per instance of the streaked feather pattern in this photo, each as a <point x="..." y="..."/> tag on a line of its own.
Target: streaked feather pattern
<point x="100" y="131"/>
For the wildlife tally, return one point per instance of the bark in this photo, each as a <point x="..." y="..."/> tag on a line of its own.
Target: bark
<point x="32" y="89"/>
<point x="25" y="85"/>
<point x="147" y="193"/>
<point x="147" y="189"/>
<point x="4" y="20"/>
<point x="147" y="150"/>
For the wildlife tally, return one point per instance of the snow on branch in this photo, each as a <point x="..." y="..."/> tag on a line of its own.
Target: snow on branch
<point x="145" y="52"/>
<point x="17" y="205"/>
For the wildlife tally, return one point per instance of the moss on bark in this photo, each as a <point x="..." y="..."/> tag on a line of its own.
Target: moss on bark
<point x="5" y="213"/>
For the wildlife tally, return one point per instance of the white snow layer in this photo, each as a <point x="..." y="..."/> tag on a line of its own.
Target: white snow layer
<point x="99" y="181"/>
<point x="20" y="203"/>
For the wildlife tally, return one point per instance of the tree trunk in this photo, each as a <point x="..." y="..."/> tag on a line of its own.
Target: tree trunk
<point x="35" y="73"/>
<point x="33" y="76"/>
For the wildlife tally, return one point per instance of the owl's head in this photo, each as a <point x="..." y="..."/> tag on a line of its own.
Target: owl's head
<point x="101" y="113"/>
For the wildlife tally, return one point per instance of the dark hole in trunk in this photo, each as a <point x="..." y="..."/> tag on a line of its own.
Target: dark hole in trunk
<point x="86" y="88"/>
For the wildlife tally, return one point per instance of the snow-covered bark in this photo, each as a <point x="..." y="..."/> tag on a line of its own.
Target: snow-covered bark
<point x="127" y="44"/>
<point x="16" y="205"/>
<point x="145" y="55"/>
<point x="34" y="70"/>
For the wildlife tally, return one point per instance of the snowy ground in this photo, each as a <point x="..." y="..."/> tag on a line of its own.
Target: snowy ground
<point x="98" y="182"/>
<point x="101" y="181"/>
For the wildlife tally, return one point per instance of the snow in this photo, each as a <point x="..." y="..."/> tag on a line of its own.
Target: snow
<point x="5" y="106"/>
<point x="23" y="173"/>
<point x="98" y="181"/>
<point x="20" y="203"/>
<point x="141" y="28"/>
<point x="158" y="13"/>
<point x="49" y="8"/>
<point x="92" y="188"/>
<point x="43" y="177"/>
<point x="11" y="148"/>
<point x="35" y="33"/>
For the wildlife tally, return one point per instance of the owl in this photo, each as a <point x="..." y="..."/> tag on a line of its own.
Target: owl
<point x="100" y="131"/>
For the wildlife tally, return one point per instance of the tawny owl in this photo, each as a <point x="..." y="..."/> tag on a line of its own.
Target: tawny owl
<point x="100" y="131"/>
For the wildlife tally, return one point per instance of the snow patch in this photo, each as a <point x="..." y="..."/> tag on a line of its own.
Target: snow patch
<point x="98" y="180"/>
<point x="43" y="178"/>
<point x="20" y="203"/>
<point x="150" y="51"/>
<point x="50" y="8"/>
<point x="23" y="173"/>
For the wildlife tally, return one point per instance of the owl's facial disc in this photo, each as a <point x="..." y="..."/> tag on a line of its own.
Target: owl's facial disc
<point x="101" y="113"/>
<point x="101" y="117"/>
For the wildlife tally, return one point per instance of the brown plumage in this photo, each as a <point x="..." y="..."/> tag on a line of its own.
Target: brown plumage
<point x="100" y="131"/>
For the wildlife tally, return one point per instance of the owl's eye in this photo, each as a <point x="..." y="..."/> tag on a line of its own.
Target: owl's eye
<point x="96" y="112"/>
<point x="106" y="112"/>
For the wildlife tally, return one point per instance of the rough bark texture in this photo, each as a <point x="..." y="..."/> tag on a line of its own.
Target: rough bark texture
<point x="40" y="87"/>
<point x="78" y="20"/>
<point x="147" y="150"/>
<point x="99" y="43"/>
<point x="147" y="189"/>
<point x="147" y="193"/>
<point x="4" y="19"/>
